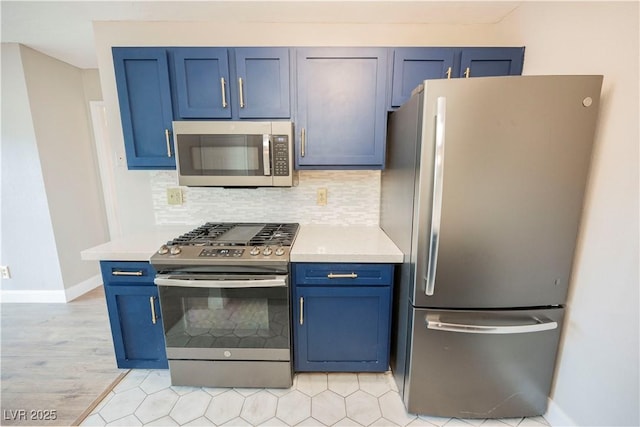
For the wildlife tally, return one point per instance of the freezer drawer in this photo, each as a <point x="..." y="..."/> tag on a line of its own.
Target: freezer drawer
<point x="482" y="364"/>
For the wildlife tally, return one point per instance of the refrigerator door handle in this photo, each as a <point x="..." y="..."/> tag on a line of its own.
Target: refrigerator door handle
<point x="542" y="324"/>
<point x="436" y="204"/>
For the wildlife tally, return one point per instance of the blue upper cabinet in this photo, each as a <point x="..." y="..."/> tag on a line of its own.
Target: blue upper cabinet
<point x="413" y="65"/>
<point x="262" y="83"/>
<point x="202" y="83"/>
<point x="241" y="83"/>
<point x="341" y="108"/>
<point x="144" y="94"/>
<point x="491" y="61"/>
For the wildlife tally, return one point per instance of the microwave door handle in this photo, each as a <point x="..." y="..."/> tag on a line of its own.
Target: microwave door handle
<point x="266" y="154"/>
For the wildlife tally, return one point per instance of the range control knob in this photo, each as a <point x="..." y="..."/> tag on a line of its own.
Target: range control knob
<point x="267" y="251"/>
<point x="175" y="250"/>
<point x="164" y="249"/>
<point x="280" y="251"/>
<point x="255" y="251"/>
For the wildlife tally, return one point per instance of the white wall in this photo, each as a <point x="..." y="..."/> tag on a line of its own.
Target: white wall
<point x="596" y="382"/>
<point x="28" y="244"/>
<point x="52" y="200"/>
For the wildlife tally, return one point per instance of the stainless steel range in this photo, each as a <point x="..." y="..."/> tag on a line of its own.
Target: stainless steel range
<point x="224" y="295"/>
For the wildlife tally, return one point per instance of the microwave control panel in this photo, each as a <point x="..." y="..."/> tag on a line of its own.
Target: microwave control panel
<point x="281" y="155"/>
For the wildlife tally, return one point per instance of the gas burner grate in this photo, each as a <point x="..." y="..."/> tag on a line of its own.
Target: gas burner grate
<point x="277" y="234"/>
<point x="202" y="236"/>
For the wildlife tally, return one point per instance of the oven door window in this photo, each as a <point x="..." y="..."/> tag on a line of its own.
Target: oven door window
<point x="224" y="318"/>
<point x="220" y="155"/>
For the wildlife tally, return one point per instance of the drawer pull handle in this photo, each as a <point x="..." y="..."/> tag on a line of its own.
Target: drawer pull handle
<point x="154" y="318"/>
<point x="127" y="273"/>
<point x="342" y="276"/>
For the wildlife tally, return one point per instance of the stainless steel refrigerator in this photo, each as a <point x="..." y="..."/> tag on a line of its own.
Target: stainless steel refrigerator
<point x="483" y="193"/>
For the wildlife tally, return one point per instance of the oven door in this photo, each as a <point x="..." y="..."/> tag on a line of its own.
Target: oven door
<point x="225" y="317"/>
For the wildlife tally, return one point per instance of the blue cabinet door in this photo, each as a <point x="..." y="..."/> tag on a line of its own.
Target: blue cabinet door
<point x="413" y="65"/>
<point x="138" y="340"/>
<point x="262" y="83"/>
<point x="134" y="314"/>
<point x="341" y="108"/>
<point x="342" y="328"/>
<point x="144" y="94"/>
<point x="202" y="82"/>
<point x="491" y="61"/>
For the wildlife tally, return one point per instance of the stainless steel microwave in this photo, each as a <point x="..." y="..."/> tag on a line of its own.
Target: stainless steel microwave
<point x="234" y="153"/>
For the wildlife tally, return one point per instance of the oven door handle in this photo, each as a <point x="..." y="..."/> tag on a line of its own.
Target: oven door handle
<point x="192" y="283"/>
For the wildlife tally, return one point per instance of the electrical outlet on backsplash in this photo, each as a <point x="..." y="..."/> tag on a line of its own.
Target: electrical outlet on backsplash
<point x="353" y="198"/>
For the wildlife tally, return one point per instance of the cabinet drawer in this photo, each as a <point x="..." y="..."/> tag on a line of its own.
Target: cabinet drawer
<point x="319" y="274"/>
<point x="127" y="272"/>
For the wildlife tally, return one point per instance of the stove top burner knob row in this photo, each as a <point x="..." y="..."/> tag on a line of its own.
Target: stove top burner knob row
<point x="267" y="251"/>
<point x="164" y="249"/>
<point x="255" y="251"/>
<point x="280" y="251"/>
<point x="175" y="250"/>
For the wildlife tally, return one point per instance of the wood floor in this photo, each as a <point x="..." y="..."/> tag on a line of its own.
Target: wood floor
<point x="55" y="357"/>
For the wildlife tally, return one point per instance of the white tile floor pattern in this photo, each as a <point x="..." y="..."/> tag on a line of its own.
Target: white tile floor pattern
<point x="146" y="397"/>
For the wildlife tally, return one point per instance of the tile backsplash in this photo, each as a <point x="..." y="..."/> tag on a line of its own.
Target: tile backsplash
<point x="353" y="197"/>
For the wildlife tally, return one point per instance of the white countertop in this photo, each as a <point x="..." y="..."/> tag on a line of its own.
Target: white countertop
<point x="314" y="243"/>
<point x="331" y="243"/>
<point x="136" y="247"/>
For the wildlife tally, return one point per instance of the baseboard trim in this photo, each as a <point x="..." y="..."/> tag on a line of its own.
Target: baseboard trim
<point x="59" y="296"/>
<point x="83" y="287"/>
<point x="556" y="417"/>
<point x="32" y="296"/>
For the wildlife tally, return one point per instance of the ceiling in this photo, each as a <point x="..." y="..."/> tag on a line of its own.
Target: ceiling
<point x="63" y="29"/>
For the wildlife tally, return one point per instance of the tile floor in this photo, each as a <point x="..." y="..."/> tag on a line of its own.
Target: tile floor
<point x="146" y="397"/>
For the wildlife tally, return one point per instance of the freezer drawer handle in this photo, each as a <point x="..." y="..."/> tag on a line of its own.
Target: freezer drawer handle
<point x="436" y="203"/>
<point x="543" y="324"/>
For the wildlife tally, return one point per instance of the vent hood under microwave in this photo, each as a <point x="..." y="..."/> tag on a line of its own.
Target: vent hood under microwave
<point x="234" y="153"/>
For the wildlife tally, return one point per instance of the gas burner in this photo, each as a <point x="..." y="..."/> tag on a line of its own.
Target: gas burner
<point x="238" y="234"/>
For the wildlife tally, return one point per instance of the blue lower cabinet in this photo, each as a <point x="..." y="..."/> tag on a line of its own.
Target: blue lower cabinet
<point x="343" y="326"/>
<point x="134" y="314"/>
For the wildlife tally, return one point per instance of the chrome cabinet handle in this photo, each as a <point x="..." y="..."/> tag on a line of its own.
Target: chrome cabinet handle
<point x="127" y="273"/>
<point x="302" y="310"/>
<point x="467" y="73"/>
<point x="436" y="203"/>
<point x="342" y="276"/>
<point x="448" y="73"/>
<point x="303" y="142"/>
<point x="154" y="318"/>
<point x="241" y="91"/>
<point x="168" y="139"/>
<point x="434" y="323"/>
<point x="224" y="92"/>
